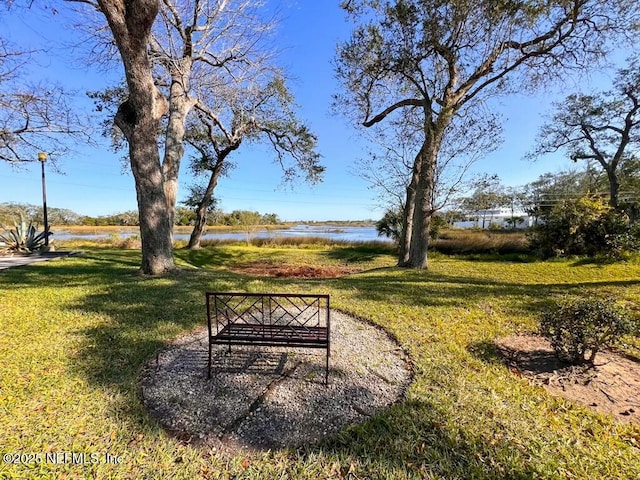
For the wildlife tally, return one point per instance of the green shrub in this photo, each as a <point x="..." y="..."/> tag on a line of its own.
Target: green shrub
<point x="579" y="328"/>
<point x="587" y="226"/>
<point x="607" y="234"/>
<point x="390" y="225"/>
<point x="436" y="225"/>
<point x="629" y="241"/>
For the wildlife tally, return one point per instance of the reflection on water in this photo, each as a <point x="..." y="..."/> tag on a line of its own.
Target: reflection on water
<point x="333" y="232"/>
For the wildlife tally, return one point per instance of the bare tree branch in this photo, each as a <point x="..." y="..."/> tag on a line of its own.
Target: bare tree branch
<point x="34" y="117"/>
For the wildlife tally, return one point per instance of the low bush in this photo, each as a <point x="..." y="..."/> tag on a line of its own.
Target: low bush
<point x="579" y="328"/>
<point x="390" y="225"/>
<point x="132" y="242"/>
<point x="587" y="226"/>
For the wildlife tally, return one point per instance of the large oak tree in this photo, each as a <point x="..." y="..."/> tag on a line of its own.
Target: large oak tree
<point x="130" y="22"/>
<point x="436" y="57"/>
<point x="603" y="127"/>
<point x="201" y="50"/>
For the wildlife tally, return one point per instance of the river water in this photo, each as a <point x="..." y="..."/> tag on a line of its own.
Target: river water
<point x="333" y="232"/>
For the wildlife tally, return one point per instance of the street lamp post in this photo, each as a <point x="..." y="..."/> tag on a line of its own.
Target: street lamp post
<point x="42" y="158"/>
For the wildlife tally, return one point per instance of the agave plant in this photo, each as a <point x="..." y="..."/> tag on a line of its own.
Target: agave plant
<point x="22" y="237"/>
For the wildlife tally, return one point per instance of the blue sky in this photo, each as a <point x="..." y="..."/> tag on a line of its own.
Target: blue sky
<point x="93" y="182"/>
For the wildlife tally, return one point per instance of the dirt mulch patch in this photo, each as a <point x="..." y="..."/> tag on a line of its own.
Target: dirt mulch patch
<point x="611" y="387"/>
<point x="266" y="269"/>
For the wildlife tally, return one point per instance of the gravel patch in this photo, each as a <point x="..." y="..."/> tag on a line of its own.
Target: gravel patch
<point x="263" y="398"/>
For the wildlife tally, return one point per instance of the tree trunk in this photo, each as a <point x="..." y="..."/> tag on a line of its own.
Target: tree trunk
<point x="180" y="104"/>
<point x="409" y="207"/>
<point x="155" y="229"/>
<point x="423" y="211"/>
<point x="407" y="225"/>
<point x="139" y="119"/>
<point x="614" y="188"/>
<point x="425" y="168"/>
<point x="201" y="212"/>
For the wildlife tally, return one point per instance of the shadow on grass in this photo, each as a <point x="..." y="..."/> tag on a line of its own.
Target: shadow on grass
<point x="91" y="268"/>
<point x="497" y="257"/>
<point x="129" y="316"/>
<point x="360" y="253"/>
<point x="486" y="351"/>
<point x="435" y="290"/>
<point x="598" y="261"/>
<point x="428" y="289"/>
<point x="134" y="316"/>
<point x="206" y="257"/>
<point x="412" y="440"/>
<point x="534" y="360"/>
<point x="144" y="313"/>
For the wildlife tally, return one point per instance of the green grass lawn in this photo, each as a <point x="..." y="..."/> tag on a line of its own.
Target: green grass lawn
<point x="74" y="334"/>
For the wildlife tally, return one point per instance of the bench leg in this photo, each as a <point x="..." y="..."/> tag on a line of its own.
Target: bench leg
<point x="209" y="364"/>
<point x="326" y="370"/>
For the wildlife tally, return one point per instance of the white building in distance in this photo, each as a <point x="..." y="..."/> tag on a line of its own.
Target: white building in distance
<point x="502" y="217"/>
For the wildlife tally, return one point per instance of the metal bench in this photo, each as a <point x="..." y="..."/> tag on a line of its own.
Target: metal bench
<point x="268" y="319"/>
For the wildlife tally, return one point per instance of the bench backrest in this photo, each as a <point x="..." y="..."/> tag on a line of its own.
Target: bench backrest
<point x="286" y="310"/>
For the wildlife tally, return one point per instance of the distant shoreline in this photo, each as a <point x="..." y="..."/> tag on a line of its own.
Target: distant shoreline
<point x="106" y="229"/>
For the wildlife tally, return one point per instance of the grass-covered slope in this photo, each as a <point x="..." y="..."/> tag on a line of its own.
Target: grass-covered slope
<point x="75" y="332"/>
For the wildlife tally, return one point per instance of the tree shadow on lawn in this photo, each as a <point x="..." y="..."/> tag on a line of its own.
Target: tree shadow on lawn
<point x="359" y="253"/>
<point x="412" y="440"/>
<point x="537" y="361"/>
<point x="91" y="268"/>
<point x="142" y="313"/>
<point x="496" y="257"/>
<point x="206" y="257"/>
<point x="436" y="290"/>
<point x="409" y="439"/>
<point x="428" y="289"/>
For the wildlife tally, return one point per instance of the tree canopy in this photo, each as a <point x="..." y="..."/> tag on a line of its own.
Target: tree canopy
<point x="438" y="57"/>
<point x="602" y="127"/>
<point x="247" y="114"/>
<point x="214" y="64"/>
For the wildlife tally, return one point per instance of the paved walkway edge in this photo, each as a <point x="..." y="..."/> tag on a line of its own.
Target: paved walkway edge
<point x="21" y="260"/>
